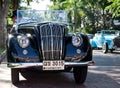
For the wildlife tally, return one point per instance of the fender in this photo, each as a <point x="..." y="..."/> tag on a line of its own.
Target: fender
<point x="93" y="43"/>
<point x="18" y="53"/>
<point x="84" y="49"/>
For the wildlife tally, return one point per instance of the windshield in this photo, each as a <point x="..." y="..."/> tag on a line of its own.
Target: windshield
<point x="110" y="32"/>
<point x="24" y="16"/>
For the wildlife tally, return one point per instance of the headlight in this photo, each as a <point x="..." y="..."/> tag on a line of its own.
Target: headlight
<point x="77" y="40"/>
<point x="23" y="41"/>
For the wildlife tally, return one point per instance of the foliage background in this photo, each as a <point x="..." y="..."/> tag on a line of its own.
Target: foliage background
<point x="88" y="16"/>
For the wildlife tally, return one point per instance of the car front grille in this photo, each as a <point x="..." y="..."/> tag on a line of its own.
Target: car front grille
<point x="117" y="41"/>
<point x="51" y="36"/>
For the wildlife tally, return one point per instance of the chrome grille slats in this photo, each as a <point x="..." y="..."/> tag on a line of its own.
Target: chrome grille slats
<point x="51" y="36"/>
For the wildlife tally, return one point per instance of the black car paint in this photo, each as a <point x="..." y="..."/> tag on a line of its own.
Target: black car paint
<point x="35" y="50"/>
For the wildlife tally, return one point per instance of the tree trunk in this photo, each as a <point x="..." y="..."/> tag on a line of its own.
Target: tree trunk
<point x="15" y="4"/>
<point x="4" y="6"/>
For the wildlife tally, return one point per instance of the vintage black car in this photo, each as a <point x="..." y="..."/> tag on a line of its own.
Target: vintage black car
<point x="47" y="44"/>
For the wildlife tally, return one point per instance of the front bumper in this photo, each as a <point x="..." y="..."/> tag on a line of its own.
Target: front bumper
<point x="40" y="64"/>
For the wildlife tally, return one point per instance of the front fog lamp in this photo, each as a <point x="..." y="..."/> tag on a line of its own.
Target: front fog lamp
<point x="23" y="41"/>
<point x="76" y="41"/>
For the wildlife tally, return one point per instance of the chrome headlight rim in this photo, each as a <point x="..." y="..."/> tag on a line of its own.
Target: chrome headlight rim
<point x="23" y="41"/>
<point x="77" y="40"/>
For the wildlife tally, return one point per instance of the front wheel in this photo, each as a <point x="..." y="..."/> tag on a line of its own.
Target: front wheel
<point x="68" y="69"/>
<point x="111" y="50"/>
<point x="105" y="48"/>
<point x="14" y="75"/>
<point x="80" y="74"/>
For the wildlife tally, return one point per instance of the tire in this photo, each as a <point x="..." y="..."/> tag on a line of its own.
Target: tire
<point x="68" y="69"/>
<point x="14" y="75"/>
<point x="80" y="74"/>
<point x="105" y="48"/>
<point x="111" y="50"/>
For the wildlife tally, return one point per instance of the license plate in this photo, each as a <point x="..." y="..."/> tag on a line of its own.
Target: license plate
<point x="53" y="65"/>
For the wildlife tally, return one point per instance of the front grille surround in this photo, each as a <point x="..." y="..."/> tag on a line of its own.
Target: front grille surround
<point x="52" y="40"/>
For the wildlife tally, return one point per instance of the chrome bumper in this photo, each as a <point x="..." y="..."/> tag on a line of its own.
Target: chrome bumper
<point x="40" y="64"/>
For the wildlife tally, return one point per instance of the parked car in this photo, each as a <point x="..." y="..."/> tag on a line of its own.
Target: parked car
<point x="90" y="36"/>
<point x="105" y="40"/>
<point x="43" y="40"/>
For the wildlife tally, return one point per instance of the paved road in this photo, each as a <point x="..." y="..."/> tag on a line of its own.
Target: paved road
<point x="109" y="59"/>
<point x="103" y="75"/>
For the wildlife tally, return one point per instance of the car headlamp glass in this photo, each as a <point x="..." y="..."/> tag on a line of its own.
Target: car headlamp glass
<point x="23" y="41"/>
<point x="77" y="40"/>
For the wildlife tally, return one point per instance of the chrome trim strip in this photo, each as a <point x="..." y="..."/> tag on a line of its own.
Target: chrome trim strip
<point x="26" y="65"/>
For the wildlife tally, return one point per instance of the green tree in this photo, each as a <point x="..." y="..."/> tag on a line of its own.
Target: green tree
<point x="6" y="7"/>
<point x="90" y="13"/>
<point x="114" y="7"/>
<point x="73" y="6"/>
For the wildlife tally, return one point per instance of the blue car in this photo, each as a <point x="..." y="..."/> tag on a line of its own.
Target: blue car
<point x="105" y="40"/>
